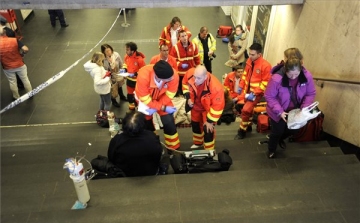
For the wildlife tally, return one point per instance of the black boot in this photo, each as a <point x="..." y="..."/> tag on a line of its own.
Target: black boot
<point x="121" y="94"/>
<point x="282" y="144"/>
<point x="123" y="98"/>
<point x="271" y="155"/>
<point x="241" y="134"/>
<point x="115" y="103"/>
<point x="249" y="128"/>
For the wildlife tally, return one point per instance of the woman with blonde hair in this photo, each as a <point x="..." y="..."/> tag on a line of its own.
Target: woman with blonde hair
<point x="101" y="78"/>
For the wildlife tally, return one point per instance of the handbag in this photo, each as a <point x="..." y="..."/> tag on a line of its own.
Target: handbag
<point x="312" y="131"/>
<point x="114" y="90"/>
<point x="298" y="118"/>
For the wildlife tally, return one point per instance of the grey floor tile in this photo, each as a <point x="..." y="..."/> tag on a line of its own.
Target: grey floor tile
<point x="232" y="176"/>
<point x="15" y="218"/>
<point x="240" y="190"/>
<point x="296" y="217"/>
<point x="332" y="183"/>
<point x="157" y="212"/>
<point x="341" y="200"/>
<point x="350" y="170"/>
<point x="351" y="216"/>
<point x="13" y="205"/>
<point x="249" y="206"/>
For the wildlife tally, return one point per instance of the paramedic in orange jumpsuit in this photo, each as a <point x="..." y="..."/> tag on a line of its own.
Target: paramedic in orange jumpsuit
<point x="157" y="85"/>
<point x="205" y="97"/>
<point x="187" y="56"/>
<point x="231" y="83"/>
<point x="164" y="55"/>
<point x="252" y="85"/>
<point x="133" y="61"/>
<point x="170" y="33"/>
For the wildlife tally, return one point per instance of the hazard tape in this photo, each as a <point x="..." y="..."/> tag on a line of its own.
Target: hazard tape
<point x="57" y="76"/>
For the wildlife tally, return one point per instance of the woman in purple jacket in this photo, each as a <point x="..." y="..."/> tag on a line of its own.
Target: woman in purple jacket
<point x="291" y="86"/>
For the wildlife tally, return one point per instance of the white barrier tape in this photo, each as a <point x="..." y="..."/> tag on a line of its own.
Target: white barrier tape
<point x="57" y="76"/>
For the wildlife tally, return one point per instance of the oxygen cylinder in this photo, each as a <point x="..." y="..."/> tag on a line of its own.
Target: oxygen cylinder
<point x="77" y="174"/>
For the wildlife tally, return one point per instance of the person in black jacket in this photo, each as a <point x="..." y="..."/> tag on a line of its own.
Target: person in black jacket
<point x="136" y="151"/>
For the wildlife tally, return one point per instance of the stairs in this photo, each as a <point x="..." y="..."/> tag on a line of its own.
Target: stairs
<point x="307" y="182"/>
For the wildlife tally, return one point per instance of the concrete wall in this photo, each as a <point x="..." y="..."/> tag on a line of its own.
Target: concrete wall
<point x="327" y="33"/>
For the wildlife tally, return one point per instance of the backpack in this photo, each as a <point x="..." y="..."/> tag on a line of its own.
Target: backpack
<point x="312" y="131"/>
<point x="224" y="31"/>
<point x="196" y="164"/>
<point x="104" y="168"/>
<point x="102" y="118"/>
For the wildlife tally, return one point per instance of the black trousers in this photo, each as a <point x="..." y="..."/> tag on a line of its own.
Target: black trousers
<point x="279" y="131"/>
<point x="207" y="64"/>
<point x="57" y="13"/>
<point x="180" y="92"/>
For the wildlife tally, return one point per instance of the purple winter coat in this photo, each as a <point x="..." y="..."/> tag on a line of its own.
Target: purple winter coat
<point x="277" y="92"/>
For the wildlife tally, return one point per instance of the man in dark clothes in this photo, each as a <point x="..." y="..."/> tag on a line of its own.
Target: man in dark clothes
<point x="58" y="13"/>
<point x="136" y="151"/>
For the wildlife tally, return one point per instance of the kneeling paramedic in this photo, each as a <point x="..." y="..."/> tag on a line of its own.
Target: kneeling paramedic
<point x="156" y="86"/>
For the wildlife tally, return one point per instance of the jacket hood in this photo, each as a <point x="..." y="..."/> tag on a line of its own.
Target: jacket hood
<point x="285" y="80"/>
<point x="89" y="66"/>
<point x="140" y="54"/>
<point x="277" y="67"/>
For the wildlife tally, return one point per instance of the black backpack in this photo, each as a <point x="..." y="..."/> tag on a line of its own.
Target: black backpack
<point x="181" y="164"/>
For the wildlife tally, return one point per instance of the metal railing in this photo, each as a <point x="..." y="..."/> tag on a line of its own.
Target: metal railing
<point x="333" y="80"/>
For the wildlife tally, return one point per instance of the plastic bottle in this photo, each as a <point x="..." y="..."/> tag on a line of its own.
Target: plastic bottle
<point x="77" y="174"/>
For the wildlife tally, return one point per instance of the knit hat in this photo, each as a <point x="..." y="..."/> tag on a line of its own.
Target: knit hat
<point x="163" y="70"/>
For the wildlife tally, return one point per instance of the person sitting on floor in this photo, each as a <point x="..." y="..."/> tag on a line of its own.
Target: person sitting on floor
<point x="136" y="151"/>
<point x="228" y="115"/>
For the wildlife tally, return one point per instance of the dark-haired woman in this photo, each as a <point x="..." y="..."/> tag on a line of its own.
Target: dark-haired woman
<point x="237" y="46"/>
<point x="291" y="86"/>
<point x="113" y="63"/>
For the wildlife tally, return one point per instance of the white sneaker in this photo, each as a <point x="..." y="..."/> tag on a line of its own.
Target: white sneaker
<point x="195" y="146"/>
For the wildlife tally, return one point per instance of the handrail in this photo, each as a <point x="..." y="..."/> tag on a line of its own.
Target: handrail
<point x="335" y="80"/>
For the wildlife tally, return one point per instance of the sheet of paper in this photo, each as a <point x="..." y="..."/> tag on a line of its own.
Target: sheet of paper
<point x="143" y="108"/>
<point x="123" y="74"/>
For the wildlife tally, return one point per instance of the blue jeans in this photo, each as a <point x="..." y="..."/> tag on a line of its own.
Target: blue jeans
<point x="11" y="76"/>
<point x="105" y="102"/>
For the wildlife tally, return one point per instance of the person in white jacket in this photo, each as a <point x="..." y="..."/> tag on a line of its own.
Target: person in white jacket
<point x="101" y="78"/>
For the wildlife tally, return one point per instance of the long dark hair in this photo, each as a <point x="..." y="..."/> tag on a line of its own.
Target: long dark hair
<point x="104" y="47"/>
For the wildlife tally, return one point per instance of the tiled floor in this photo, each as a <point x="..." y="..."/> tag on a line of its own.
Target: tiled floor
<point x="72" y="98"/>
<point x="309" y="182"/>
